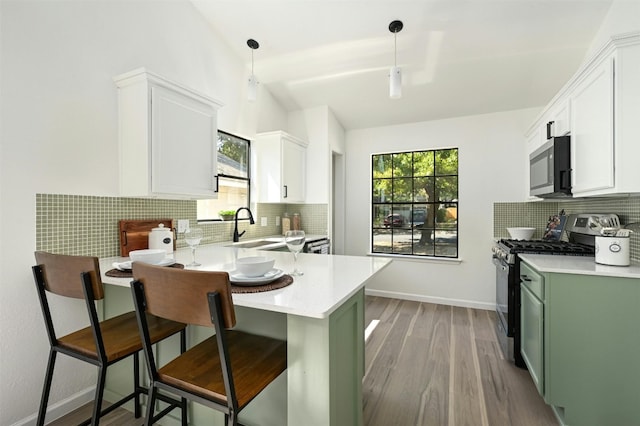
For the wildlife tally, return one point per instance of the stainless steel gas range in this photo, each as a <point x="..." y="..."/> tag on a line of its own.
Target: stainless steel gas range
<point x="507" y="262"/>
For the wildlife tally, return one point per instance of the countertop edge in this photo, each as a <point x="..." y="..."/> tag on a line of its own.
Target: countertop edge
<point x="320" y="311"/>
<point x="579" y="265"/>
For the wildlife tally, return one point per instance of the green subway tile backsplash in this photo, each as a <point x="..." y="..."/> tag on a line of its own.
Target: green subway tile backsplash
<point x="88" y="225"/>
<point x="536" y="214"/>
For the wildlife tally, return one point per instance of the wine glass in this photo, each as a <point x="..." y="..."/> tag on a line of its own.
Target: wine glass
<point x="295" y="242"/>
<point x="192" y="237"/>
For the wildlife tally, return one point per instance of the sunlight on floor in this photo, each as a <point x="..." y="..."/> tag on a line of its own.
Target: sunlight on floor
<point x="372" y="325"/>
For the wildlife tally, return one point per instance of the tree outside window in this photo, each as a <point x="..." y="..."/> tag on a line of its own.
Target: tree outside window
<point x="232" y="175"/>
<point x="415" y="203"/>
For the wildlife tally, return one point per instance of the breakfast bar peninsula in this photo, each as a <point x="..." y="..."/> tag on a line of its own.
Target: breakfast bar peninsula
<point x="321" y="316"/>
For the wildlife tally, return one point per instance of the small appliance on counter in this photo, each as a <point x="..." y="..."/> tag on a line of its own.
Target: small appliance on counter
<point x="161" y="238"/>
<point x="613" y="250"/>
<point x="602" y="231"/>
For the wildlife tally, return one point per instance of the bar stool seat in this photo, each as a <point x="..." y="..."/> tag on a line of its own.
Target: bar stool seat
<point x="120" y="336"/>
<point x="252" y="363"/>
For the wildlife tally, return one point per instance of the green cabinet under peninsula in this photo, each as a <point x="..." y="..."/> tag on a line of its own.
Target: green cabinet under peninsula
<point x="590" y="342"/>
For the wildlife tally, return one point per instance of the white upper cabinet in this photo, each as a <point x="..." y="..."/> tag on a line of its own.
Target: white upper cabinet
<point x="600" y="109"/>
<point x="592" y="141"/>
<point x="280" y="168"/>
<point x="167" y="136"/>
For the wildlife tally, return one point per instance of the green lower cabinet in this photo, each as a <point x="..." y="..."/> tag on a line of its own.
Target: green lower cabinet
<point x="532" y="344"/>
<point x="591" y="346"/>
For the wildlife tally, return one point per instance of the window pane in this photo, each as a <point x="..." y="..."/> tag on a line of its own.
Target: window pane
<point x="402" y="190"/>
<point x="380" y="212"/>
<point x="423" y="248"/>
<point x="446" y="188"/>
<point x="232" y="194"/>
<point x="381" y="241"/>
<point x="423" y="189"/>
<point x="233" y="155"/>
<point x="446" y="243"/>
<point x="419" y="215"/>
<point x="403" y="165"/>
<point x="382" y="191"/>
<point x="447" y="162"/>
<point x="400" y="216"/>
<point x="381" y="165"/>
<point x="423" y="163"/>
<point x="402" y="241"/>
<point x="447" y="216"/>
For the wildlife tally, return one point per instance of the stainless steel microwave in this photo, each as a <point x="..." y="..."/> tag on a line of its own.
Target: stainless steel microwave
<point x="550" y="169"/>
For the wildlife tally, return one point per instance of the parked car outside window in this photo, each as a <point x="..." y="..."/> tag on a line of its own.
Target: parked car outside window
<point x="393" y="220"/>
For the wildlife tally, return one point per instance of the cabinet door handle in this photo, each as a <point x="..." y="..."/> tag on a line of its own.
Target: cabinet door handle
<point x="525" y="278"/>
<point x="216" y="188"/>
<point x="285" y="192"/>
<point x="565" y="179"/>
<point x="549" y="124"/>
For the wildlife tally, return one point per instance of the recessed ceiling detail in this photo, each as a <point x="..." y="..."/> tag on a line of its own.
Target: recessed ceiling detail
<point x="457" y="57"/>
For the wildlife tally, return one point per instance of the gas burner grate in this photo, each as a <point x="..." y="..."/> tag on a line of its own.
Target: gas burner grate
<point x="547" y="247"/>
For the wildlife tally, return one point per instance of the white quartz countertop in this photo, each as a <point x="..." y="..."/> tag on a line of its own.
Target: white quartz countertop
<point x="581" y="265"/>
<point x="328" y="280"/>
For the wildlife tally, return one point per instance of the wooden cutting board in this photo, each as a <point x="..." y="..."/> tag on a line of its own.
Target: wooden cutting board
<point x="134" y="234"/>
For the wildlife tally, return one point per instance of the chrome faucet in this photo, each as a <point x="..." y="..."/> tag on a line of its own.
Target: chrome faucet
<point x="236" y="236"/>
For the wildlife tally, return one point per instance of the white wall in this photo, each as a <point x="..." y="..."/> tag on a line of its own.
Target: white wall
<point x="59" y="135"/>
<point x="488" y="172"/>
<point x="337" y="184"/>
<point x="312" y="125"/>
<point x="623" y="17"/>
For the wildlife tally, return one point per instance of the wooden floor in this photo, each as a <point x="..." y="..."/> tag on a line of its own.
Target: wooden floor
<point x="440" y="365"/>
<point x="427" y="364"/>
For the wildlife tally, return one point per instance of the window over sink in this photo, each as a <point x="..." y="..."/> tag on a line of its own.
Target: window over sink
<point x="414" y="207"/>
<point x="233" y="177"/>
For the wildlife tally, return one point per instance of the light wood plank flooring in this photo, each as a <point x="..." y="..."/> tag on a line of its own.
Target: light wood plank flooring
<point x="427" y="364"/>
<point x="440" y="365"/>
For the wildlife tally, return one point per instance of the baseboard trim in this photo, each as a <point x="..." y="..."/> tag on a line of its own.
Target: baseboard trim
<point x="431" y="299"/>
<point x="61" y="408"/>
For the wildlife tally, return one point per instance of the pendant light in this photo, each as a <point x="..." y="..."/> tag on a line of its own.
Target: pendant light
<point x="253" y="82"/>
<point x="395" y="74"/>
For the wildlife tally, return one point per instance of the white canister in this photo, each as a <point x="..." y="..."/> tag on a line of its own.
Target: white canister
<point x="612" y="251"/>
<point x="161" y="238"/>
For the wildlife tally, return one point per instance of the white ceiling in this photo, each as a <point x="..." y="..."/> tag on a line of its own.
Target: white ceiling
<point x="458" y="57"/>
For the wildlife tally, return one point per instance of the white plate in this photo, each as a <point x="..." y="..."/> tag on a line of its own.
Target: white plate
<point x="238" y="279"/>
<point x="126" y="266"/>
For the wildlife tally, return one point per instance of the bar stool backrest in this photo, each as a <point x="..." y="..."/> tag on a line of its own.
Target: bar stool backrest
<point x="181" y="295"/>
<point x="62" y="274"/>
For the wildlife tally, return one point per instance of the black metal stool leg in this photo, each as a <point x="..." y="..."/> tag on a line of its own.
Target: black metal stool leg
<point x="97" y="403"/>
<point x="42" y="412"/>
<point x="183" y="349"/>
<point x="136" y="386"/>
<point x="151" y="401"/>
<point x="184" y="407"/>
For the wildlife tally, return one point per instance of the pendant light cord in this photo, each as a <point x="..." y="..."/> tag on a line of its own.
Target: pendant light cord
<point x="395" y="49"/>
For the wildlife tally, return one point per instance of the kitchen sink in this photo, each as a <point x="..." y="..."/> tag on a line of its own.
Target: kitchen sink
<point x="257" y="243"/>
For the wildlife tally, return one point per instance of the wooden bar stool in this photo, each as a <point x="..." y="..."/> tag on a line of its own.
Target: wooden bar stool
<point x="224" y="372"/>
<point x="102" y="343"/>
